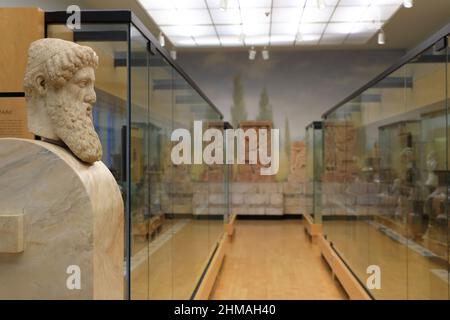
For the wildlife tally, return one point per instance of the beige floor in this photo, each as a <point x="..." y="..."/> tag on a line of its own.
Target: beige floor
<point x="274" y="260"/>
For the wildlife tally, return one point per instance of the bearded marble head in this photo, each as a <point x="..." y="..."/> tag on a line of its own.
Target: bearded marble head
<point x="59" y="91"/>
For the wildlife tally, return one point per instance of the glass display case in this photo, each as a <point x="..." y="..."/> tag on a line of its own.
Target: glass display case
<point x="314" y="169"/>
<point x="142" y="97"/>
<point x="386" y="183"/>
<point x="219" y="175"/>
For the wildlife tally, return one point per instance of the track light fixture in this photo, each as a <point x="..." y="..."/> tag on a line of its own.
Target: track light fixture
<point x="252" y="53"/>
<point x="162" y="40"/>
<point x="265" y="54"/>
<point x="242" y="37"/>
<point x="408" y="3"/>
<point x="381" y="37"/>
<point x="223" y="5"/>
<point x="321" y="4"/>
<point x="173" y="54"/>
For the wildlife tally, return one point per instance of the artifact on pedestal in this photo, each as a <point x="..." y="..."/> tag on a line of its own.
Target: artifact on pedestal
<point x="61" y="216"/>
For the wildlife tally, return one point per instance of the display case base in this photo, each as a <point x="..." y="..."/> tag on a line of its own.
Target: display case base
<point x="229" y="227"/>
<point x="313" y="230"/>
<point x="352" y="287"/>
<point x="207" y="283"/>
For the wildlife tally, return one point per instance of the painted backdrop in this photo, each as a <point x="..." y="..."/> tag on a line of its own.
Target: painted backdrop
<point x="300" y="85"/>
<point x="292" y="89"/>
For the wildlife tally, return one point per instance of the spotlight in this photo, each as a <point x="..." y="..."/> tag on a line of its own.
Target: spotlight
<point x="408" y="3"/>
<point x="173" y="54"/>
<point x="252" y="53"/>
<point x="162" y="40"/>
<point x="321" y="4"/>
<point x="265" y="54"/>
<point x="381" y="37"/>
<point x="223" y="5"/>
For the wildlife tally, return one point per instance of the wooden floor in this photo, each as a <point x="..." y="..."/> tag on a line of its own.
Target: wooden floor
<point x="274" y="260"/>
<point x="405" y="273"/>
<point x="170" y="266"/>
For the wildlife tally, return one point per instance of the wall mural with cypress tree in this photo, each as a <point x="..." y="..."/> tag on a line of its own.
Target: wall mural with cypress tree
<point x="292" y="88"/>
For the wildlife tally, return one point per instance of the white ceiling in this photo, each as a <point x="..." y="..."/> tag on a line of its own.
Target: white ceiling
<point x="202" y="23"/>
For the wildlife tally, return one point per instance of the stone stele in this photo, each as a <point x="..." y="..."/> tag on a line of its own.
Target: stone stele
<point x="61" y="211"/>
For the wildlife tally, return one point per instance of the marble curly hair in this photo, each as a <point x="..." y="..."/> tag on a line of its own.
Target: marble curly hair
<point x="57" y="60"/>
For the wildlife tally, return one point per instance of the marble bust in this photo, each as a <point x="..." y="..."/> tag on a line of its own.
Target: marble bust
<point x="62" y="213"/>
<point x="59" y="91"/>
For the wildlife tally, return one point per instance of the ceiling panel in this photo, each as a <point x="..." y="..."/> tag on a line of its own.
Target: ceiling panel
<point x="308" y="39"/>
<point x="257" y="29"/>
<point x="312" y="28"/>
<point x="348" y="14"/>
<point x="269" y="22"/>
<point x="183" y="41"/>
<point x="188" y="31"/>
<point x="255" y="15"/>
<point x="288" y="3"/>
<point x="231" y="41"/>
<point x="257" y="40"/>
<point x="255" y="3"/>
<point x="278" y="39"/>
<point x="335" y="38"/>
<point x="359" y="38"/>
<point x="157" y="4"/>
<point x="230" y="16"/>
<point x="286" y="15"/>
<point x="209" y="41"/>
<point x="215" y="4"/>
<point x="314" y="14"/>
<point x="284" y="28"/>
<point x="230" y="30"/>
<point x="189" y="4"/>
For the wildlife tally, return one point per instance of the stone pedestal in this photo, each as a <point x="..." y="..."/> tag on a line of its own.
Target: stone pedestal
<point x="58" y="216"/>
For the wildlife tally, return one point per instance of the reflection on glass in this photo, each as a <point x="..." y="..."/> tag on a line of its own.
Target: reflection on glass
<point x="385" y="194"/>
<point x="175" y="212"/>
<point x="314" y="169"/>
